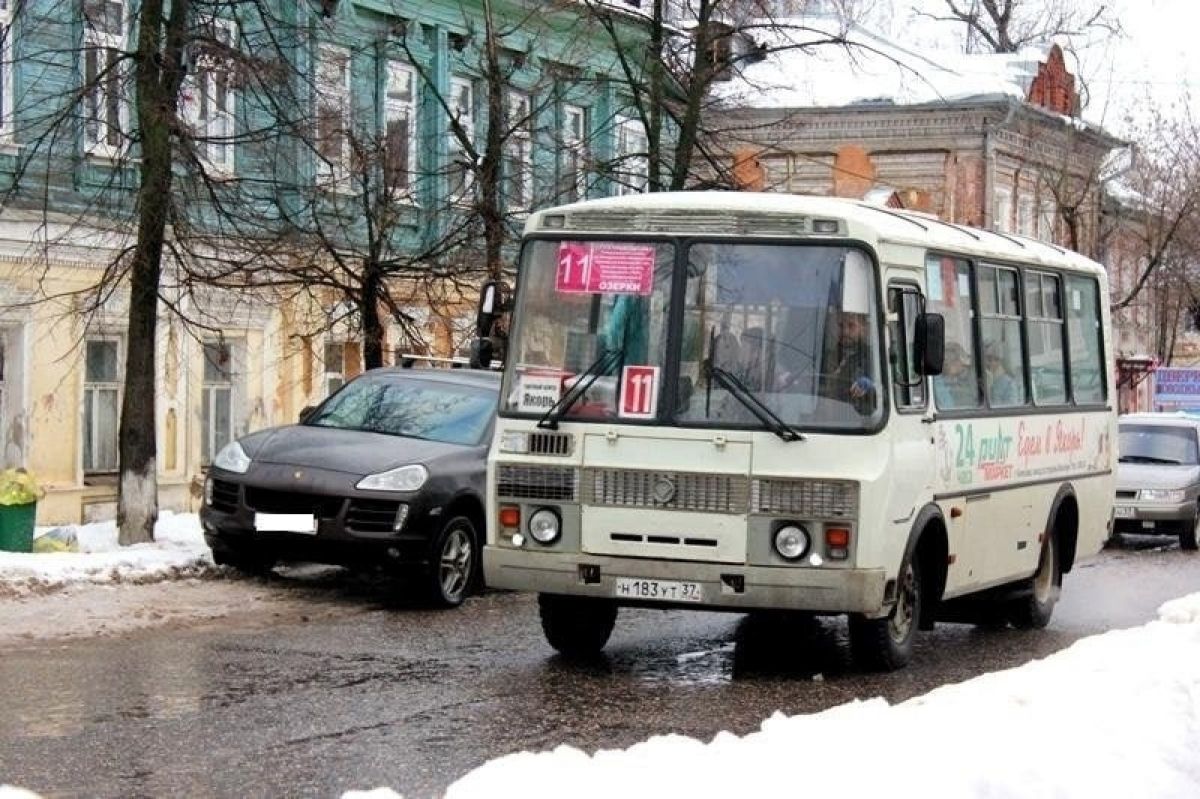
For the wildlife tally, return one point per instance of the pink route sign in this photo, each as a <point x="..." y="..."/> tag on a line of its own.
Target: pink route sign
<point x="586" y="267"/>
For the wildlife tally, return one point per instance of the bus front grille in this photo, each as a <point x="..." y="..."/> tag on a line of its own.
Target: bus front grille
<point x="810" y="499"/>
<point x="520" y="481"/>
<point x="712" y="493"/>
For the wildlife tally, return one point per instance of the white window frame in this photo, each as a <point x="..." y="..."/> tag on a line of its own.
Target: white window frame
<point x="396" y="108"/>
<point x="1003" y="200"/>
<point x="201" y="91"/>
<point x="456" y="155"/>
<point x="6" y="69"/>
<point x="91" y="391"/>
<point x="632" y="174"/>
<point x="211" y="443"/>
<point x="96" y="124"/>
<point x="518" y="150"/>
<point x="331" y="83"/>
<point x="574" y="142"/>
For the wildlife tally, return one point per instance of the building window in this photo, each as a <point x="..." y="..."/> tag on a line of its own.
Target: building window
<point x="216" y="397"/>
<point x="572" y="183"/>
<point x="518" y="152"/>
<point x="400" y="128"/>
<point x="6" y="67"/>
<point x="334" y="366"/>
<point x="1003" y="218"/>
<point x="461" y="170"/>
<point x="101" y="401"/>
<point x="1046" y="218"/>
<point x="208" y="99"/>
<point x="1026" y="220"/>
<point x="333" y="112"/>
<point x="633" y="163"/>
<point x="105" y="110"/>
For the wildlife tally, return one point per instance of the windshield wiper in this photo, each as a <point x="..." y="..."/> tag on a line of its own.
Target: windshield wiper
<point x="744" y="395"/>
<point x="583" y="382"/>
<point x="1148" y="459"/>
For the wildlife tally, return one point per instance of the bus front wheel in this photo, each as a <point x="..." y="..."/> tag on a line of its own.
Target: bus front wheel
<point x="577" y="626"/>
<point x="887" y="644"/>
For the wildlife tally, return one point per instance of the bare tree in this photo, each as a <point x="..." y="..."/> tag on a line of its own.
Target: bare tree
<point x="1007" y="26"/>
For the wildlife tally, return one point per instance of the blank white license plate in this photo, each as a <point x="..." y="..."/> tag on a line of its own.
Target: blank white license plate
<point x="285" y="523"/>
<point x="661" y="590"/>
<point x="1123" y="512"/>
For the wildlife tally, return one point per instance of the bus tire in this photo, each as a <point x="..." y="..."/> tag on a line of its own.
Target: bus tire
<point x="1033" y="611"/>
<point x="1187" y="536"/>
<point x="886" y="644"/>
<point x="576" y="626"/>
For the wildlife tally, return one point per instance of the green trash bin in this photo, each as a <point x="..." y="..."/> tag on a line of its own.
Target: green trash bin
<point x="16" y="527"/>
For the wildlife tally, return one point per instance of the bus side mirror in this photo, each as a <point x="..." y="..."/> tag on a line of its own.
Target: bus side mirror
<point x="489" y="308"/>
<point x="930" y="343"/>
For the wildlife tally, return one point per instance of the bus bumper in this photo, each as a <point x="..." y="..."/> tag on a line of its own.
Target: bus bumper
<point x="722" y="586"/>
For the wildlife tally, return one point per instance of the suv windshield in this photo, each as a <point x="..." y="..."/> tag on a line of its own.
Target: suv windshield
<point x="1144" y="443"/>
<point x="400" y="406"/>
<point x="789" y="328"/>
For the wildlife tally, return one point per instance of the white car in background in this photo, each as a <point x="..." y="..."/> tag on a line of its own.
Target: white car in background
<point x="1158" y="476"/>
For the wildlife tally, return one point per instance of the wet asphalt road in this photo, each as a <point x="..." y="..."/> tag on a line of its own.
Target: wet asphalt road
<point x="387" y="694"/>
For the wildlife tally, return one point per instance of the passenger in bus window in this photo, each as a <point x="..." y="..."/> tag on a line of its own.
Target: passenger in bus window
<point x="956" y="386"/>
<point x="849" y="378"/>
<point x="1001" y="388"/>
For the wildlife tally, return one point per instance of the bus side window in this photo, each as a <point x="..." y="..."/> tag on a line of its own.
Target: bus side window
<point x="908" y="386"/>
<point x="1089" y="383"/>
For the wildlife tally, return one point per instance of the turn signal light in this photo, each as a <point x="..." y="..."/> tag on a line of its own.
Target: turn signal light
<point x="510" y="516"/>
<point x="837" y="542"/>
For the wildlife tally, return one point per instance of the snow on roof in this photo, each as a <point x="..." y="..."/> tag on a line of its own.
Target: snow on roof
<point x="801" y="69"/>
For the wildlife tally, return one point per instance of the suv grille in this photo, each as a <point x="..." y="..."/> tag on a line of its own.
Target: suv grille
<point x="519" y="481"/>
<point x="715" y="493"/>
<point x="269" y="501"/>
<point x="812" y="499"/>
<point x="371" y="515"/>
<point x="224" y="496"/>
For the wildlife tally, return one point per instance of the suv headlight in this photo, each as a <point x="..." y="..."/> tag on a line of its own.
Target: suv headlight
<point x="232" y="458"/>
<point x="1162" y="494"/>
<point x="405" y="478"/>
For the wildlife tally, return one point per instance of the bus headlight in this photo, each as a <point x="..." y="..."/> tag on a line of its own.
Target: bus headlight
<point x="545" y="526"/>
<point x="792" y="541"/>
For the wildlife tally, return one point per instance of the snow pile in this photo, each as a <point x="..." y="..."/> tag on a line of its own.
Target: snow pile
<point x="1115" y="715"/>
<point x="178" y="551"/>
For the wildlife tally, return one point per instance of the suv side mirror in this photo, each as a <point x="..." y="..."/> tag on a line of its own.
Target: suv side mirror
<point x="930" y="343"/>
<point x="306" y="411"/>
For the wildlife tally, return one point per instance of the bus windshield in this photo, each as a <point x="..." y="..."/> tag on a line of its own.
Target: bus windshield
<point x="789" y="328"/>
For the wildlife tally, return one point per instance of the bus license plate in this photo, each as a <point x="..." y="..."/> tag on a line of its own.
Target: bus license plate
<point x="661" y="590"/>
<point x="1124" y="512"/>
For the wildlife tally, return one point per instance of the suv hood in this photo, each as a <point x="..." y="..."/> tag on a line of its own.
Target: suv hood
<point x="348" y="451"/>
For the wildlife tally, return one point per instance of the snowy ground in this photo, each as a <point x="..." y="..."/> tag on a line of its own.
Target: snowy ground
<point x="1115" y="715"/>
<point x="178" y="552"/>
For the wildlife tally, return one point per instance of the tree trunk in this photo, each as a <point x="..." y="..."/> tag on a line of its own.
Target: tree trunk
<point x="158" y="76"/>
<point x="493" y="151"/>
<point x="368" y="311"/>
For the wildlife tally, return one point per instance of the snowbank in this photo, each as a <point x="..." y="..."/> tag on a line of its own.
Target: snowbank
<point x="1115" y="715"/>
<point x="178" y="551"/>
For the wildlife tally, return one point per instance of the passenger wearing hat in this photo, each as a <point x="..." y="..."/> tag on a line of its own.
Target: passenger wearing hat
<point x="957" y="386"/>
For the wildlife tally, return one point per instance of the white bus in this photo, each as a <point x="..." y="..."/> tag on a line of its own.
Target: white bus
<point x="741" y="402"/>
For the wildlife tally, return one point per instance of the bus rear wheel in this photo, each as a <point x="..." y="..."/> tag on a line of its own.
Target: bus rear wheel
<point x="1033" y="611"/>
<point x="576" y="626"/>
<point x="887" y="644"/>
